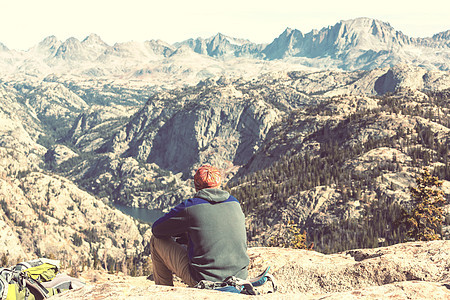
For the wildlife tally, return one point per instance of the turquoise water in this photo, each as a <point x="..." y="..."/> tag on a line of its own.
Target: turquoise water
<point x="141" y="214"/>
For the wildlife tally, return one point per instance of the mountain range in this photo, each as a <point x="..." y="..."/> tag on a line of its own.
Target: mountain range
<point x="355" y="44"/>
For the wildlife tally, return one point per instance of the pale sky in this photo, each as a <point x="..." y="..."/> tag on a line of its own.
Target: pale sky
<point x="24" y="23"/>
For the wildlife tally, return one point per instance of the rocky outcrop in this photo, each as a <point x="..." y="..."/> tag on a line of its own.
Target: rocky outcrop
<point x="56" y="100"/>
<point x="45" y="215"/>
<point x="59" y="154"/>
<point x="404" y="271"/>
<point x="315" y="273"/>
<point x="129" y="290"/>
<point x="94" y="126"/>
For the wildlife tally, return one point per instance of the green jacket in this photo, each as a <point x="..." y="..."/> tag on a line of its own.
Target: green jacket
<point x="215" y="224"/>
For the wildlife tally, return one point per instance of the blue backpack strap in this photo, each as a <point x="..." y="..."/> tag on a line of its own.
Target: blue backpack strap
<point x="260" y="279"/>
<point x="229" y="289"/>
<point x="263" y="278"/>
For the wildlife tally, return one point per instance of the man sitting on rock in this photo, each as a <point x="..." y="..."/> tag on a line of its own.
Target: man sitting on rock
<point x="216" y="235"/>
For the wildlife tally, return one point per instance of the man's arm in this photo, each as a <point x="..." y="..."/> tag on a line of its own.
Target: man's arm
<point x="173" y="223"/>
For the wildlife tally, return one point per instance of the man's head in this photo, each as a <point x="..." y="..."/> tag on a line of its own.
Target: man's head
<point x="207" y="177"/>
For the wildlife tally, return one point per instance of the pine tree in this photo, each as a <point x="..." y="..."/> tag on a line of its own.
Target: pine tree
<point x="425" y="219"/>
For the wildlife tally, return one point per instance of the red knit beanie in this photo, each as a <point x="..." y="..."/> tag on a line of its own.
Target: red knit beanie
<point x="207" y="177"/>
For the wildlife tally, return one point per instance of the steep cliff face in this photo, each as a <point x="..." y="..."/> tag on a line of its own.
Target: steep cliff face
<point x="93" y="127"/>
<point x="212" y="133"/>
<point x="220" y="125"/>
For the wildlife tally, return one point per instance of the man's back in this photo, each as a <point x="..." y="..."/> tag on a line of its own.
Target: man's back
<point x="217" y="237"/>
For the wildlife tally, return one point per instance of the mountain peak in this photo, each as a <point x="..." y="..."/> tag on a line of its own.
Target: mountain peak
<point x="93" y="39"/>
<point x="366" y="25"/>
<point x="288" y="31"/>
<point x="49" y="40"/>
<point x="218" y="38"/>
<point x="220" y="35"/>
<point x="221" y="45"/>
<point x="48" y="46"/>
<point x="366" y="33"/>
<point x="70" y="49"/>
<point x="71" y="41"/>
<point x="441" y="36"/>
<point x="284" y="44"/>
<point x="356" y="36"/>
<point x="232" y="42"/>
<point x="361" y="20"/>
<point x="3" y="47"/>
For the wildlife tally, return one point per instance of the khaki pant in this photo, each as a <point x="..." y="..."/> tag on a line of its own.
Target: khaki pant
<point x="169" y="257"/>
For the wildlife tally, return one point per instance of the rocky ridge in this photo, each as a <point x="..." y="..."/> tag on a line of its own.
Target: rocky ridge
<point x="355" y="44"/>
<point x="403" y="271"/>
<point x="222" y="46"/>
<point x="46" y="215"/>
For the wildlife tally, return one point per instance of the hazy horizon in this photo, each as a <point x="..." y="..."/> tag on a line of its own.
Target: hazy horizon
<point x="27" y="22"/>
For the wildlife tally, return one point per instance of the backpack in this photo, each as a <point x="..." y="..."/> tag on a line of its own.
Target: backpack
<point x="35" y="280"/>
<point x="240" y="286"/>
